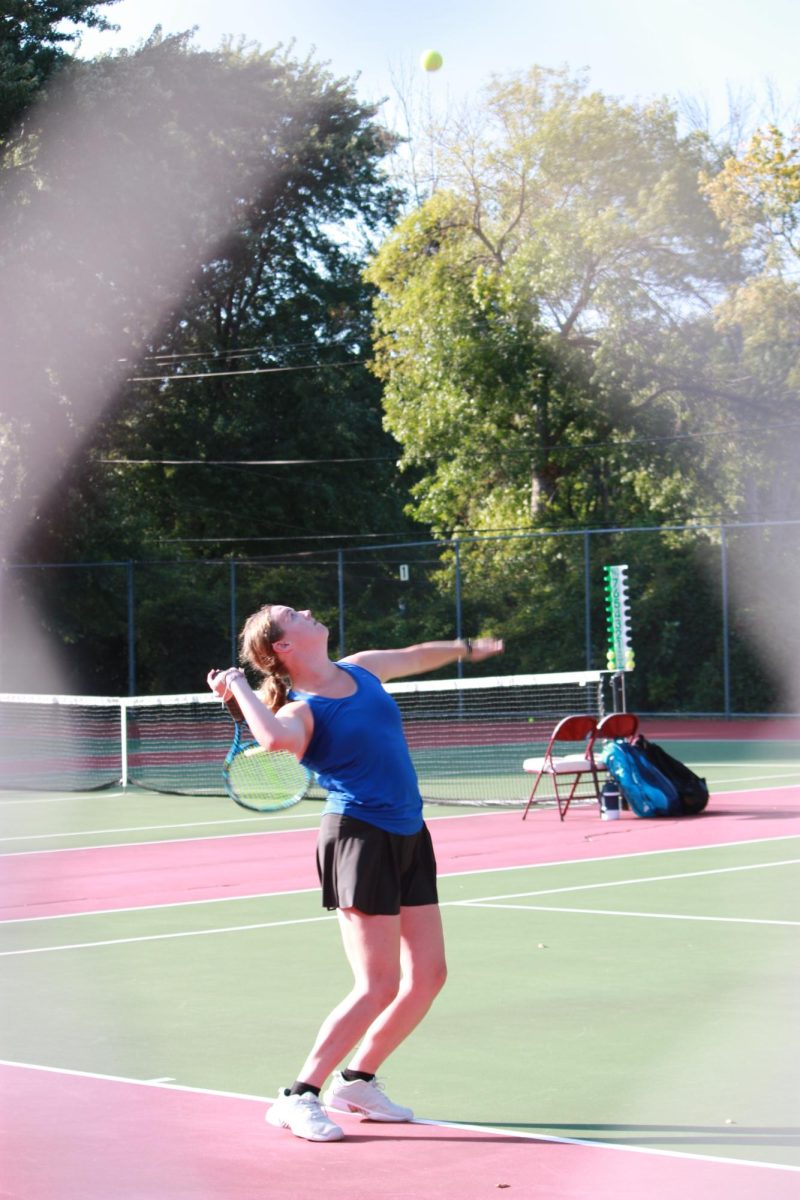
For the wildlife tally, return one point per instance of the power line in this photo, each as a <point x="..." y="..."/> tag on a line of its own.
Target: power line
<point x="656" y="439"/>
<point x="300" y="537"/>
<point x="178" y="378"/>
<point x="237" y="462"/>
<point x="691" y="522"/>
<point x="232" y="351"/>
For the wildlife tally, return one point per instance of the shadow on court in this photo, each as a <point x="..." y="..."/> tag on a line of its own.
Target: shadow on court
<point x="716" y="1136"/>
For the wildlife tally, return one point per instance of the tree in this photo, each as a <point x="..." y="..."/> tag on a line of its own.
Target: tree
<point x="548" y="302"/>
<point x="756" y="195"/>
<point x="547" y="330"/>
<point x="33" y="41"/>
<point x="217" y="187"/>
<point x="757" y="198"/>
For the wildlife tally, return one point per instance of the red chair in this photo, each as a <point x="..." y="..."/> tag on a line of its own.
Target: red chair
<point x="618" y="725"/>
<point x="574" y="767"/>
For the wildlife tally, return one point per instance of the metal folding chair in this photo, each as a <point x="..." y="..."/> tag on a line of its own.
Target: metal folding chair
<point x="561" y="768"/>
<point x="617" y="725"/>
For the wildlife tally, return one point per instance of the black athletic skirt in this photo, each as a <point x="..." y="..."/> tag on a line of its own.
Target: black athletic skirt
<point x="364" y="867"/>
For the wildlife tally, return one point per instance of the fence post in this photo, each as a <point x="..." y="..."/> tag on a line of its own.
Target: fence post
<point x="726" y="648"/>
<point x="340" y="582"/>
<point x="232" y="600"/>
<point x="459" y="616"/>
<point x="131" y="632"/>
<point x="587" y="600"/>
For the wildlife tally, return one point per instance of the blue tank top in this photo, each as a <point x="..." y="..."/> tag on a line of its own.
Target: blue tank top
<point x="358" y="751"/>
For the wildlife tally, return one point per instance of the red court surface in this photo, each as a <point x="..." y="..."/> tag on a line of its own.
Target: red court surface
<point x="72" y="1137"/>
<point x="55" y="883"/>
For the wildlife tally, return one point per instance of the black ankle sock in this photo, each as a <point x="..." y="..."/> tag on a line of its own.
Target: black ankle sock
<point x="351" y="1076"/>
<point x="299" y="1088"/>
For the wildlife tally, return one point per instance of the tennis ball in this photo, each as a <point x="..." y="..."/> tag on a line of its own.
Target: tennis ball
<point x="431" y="60"/>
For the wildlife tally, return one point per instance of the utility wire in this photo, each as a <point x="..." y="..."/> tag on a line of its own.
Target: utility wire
<point x="231" y="352"/>
<point x="178" y="378"/>
<point x="656" y="439"/>
<point x="236" y="462"/>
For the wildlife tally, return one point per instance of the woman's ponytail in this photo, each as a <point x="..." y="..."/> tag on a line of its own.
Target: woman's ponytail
<point x="259" y="633"/>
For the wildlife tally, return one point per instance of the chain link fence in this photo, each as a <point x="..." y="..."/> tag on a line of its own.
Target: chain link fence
<point x="713" y="611"/>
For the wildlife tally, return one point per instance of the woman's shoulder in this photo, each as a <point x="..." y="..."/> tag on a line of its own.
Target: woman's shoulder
<point x="355" y="668"/>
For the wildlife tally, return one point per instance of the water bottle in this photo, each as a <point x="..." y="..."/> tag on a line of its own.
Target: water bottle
<point x="610" y="801"/>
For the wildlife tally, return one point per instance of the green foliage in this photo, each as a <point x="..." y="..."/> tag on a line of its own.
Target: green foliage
<point x="34" y="44"/>
<point x="573" y="333"/>
<point x="545" y="307"/>
<point x="559" y="336"/>
<point x="221" y="185"/>
<point x="757" y="198"/>
<point x="298" y="155"/>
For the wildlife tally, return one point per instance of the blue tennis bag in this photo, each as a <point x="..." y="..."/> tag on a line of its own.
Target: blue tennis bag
<point x="652" y="782"/>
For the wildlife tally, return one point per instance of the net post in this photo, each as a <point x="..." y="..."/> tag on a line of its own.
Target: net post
<point x="618" y="700"/>
<point x="123" y="736"/>
<point x="459" y="618"/>
<point x="131" y="631"/>
<point x="726" y="632"/>
<point x="587" y="598"/>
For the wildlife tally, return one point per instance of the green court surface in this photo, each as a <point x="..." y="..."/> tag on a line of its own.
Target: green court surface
<point x="646" y="999"/>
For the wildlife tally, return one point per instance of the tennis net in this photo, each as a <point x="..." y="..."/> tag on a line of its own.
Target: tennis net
<point x="467" y="737"/>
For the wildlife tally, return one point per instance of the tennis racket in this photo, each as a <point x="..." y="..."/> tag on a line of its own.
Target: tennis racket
<point x="258" y="779"/>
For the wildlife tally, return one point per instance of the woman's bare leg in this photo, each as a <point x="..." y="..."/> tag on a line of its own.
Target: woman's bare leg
<point x="373" y="948"/>
<point x="423" y="973"/>
<point x="398" y="966"/>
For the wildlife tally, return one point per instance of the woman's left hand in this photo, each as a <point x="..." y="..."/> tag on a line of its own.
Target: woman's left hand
<point x="486" y="647"/>
<point x="219" y="681"/>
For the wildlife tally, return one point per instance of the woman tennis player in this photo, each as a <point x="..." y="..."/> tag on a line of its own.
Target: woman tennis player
<point x="374" y="853"/>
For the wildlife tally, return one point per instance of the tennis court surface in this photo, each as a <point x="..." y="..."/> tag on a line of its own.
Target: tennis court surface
<point x="620" y="1019"/>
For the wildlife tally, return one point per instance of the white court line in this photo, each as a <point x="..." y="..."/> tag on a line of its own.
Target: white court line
<point x="58" y="798"/>
<point x="613" y="912"/>
<point x="562" y="862"/>
<point x="480" y="902"/>
<point x="103" y="794"/>
<point x="756" y="778"/>
<point x="590" y="887"/>
<point x="107" y="912"/>
<point x="656" y="1152"/>
<point x="163" y="937"/>
<point x="34" y="837"/>
<point x="208" y="837"/>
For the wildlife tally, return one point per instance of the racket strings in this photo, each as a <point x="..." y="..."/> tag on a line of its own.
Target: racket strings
<point x="261" y="779"/>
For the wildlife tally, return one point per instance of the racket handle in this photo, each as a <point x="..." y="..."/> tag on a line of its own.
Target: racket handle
<point x="232" y="705"/>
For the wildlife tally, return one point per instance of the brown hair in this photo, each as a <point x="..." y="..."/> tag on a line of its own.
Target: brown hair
<point x="259" y="633"/>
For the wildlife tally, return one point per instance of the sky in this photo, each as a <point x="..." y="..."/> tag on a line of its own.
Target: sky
<point x="703" y="49"/>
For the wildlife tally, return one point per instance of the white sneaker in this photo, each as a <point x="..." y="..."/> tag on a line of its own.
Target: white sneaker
<point x="369" y="1099"/>
<point x="304" y="1116"/>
